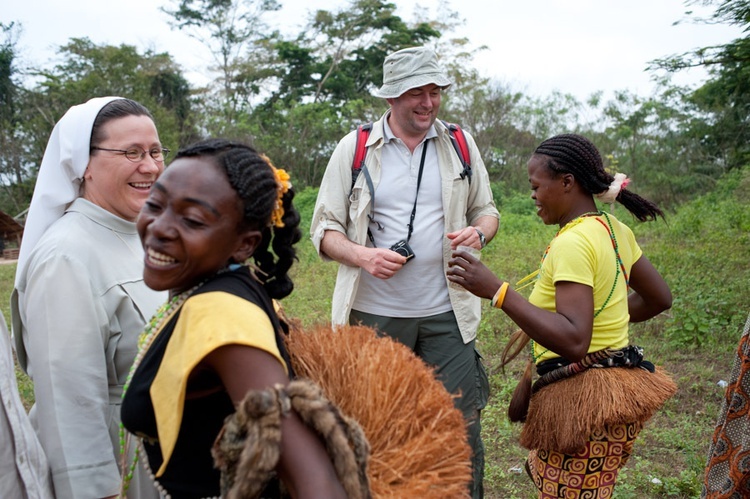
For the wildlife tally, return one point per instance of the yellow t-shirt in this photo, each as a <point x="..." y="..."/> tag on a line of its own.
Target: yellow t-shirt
<point x="583" y="253"/>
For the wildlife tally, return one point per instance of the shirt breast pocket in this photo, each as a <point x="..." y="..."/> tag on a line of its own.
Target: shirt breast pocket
<point x="355" y="201"/>
<point x="144" y="300"/>
<point x="136" y="303"/>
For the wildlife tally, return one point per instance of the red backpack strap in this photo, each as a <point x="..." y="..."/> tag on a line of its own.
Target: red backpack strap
<point x="462" y="148"/>
<point x="358" y="165"/>
<point x="360" y="150"/>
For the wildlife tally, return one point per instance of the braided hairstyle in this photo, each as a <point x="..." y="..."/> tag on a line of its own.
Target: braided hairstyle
<point x="575" y="154"/>
<point x="250" y="175"/>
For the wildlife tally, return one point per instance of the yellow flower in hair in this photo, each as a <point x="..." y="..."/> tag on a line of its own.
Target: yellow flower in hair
<point x="283" y="185"/>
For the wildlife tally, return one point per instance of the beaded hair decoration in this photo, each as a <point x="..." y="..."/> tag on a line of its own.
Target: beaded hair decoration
<point x="283" y="185"/>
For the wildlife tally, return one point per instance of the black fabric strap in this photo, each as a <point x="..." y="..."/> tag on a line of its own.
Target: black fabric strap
<point x="416" y="196"/>
<point x="410" y="225"/>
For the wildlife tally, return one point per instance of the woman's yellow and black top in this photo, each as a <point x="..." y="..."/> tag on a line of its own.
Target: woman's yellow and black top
<point x="178" y="410"/>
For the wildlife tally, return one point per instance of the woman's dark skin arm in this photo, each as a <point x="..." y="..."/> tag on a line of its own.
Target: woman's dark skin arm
<point x="651" y="294"/>
<point x="566" y="332"/>
<point x="304" y="465"/>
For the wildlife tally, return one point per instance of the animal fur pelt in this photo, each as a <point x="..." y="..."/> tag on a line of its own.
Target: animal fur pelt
<point x="247" y="449"/>
<point x="417" y="436"/>
<point x="565" y="413"/>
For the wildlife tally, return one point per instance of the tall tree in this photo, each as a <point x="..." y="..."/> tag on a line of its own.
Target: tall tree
<point x="648" y="139"/>
<point x="490" y="111"/>
<point x="237" y="37"/>
<point x="339" y="55"/>
<point x="325" y="76"/>
<point x="88" y="70"/>
<point x="725" y="98"/>
<point x="12" y="171"/>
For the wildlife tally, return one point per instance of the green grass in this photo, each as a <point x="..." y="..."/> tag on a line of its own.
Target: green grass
<point x="7" y="275"/>
<point x="702" y="253"/>
<point x="701" y="250"/>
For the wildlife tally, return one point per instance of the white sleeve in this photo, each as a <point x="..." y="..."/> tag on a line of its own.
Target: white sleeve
<point x="332" y="205"/>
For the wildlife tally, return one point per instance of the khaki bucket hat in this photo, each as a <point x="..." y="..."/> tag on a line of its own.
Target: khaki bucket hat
<point x="410" y="68"/>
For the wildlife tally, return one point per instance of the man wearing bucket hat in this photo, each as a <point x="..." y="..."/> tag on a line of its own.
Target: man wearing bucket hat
<point x="400" y="221"/>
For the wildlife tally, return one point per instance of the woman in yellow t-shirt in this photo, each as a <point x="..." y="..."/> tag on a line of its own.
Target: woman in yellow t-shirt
<point x="580" y="423"/>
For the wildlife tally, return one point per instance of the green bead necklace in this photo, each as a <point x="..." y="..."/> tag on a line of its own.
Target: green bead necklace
<point x="145" y="340"/>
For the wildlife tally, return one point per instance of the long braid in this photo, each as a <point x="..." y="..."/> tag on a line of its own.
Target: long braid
<point x="575" y="154"/>
<point x="283" y="245"/>
<point x="250" y="174"/>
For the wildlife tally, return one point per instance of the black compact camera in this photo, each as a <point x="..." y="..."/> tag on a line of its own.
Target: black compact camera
<point x="403" y="249"/>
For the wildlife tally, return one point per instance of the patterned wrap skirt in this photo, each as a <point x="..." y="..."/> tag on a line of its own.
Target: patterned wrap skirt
<point x="589" y="474"/>
<point x="728" y="466"/>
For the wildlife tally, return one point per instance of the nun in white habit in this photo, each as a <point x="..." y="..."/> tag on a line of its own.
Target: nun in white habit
<point x="79" y="302"/>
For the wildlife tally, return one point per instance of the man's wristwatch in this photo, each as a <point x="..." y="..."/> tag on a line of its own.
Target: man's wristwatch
<point x="482" y="239"/>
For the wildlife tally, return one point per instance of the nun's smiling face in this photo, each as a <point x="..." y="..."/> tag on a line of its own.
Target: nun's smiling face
<point x="114" y="182"/>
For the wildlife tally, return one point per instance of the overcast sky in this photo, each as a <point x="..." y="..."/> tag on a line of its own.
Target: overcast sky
<point x="536" y="46"/>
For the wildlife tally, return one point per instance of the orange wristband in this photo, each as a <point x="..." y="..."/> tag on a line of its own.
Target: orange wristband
<point x="499" y="298"/>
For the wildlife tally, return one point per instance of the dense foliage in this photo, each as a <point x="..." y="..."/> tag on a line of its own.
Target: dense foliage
<point x="294" y="96"/>
<point x="700" y="250"/>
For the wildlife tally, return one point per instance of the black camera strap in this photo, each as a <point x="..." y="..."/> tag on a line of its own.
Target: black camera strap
<point x="416" y="196"/>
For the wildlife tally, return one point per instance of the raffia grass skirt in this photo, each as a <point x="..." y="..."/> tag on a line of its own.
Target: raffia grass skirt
<point x="418" y="442"/>
<point x="581" y="429"/>
<point x="563" y="416"/>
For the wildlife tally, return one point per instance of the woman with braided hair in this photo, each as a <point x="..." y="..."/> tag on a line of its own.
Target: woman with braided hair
<point x="218" y="337"/>
<point x="580" y="423"/>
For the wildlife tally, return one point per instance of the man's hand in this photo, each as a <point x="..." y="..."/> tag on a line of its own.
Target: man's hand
<point x="467" y="236"/>
<point x="380" y="262"/>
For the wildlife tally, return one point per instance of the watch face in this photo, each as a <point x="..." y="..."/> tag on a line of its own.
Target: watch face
<point x="482" y="239"/>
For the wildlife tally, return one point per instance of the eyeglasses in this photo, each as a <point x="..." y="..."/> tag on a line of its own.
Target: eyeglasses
<point x="136" y="154"/>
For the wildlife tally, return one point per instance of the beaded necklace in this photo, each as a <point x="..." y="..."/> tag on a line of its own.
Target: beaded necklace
<point x="146" y="338"/>
<point x="620" y="265"/>
<point x="529" y="279"/>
